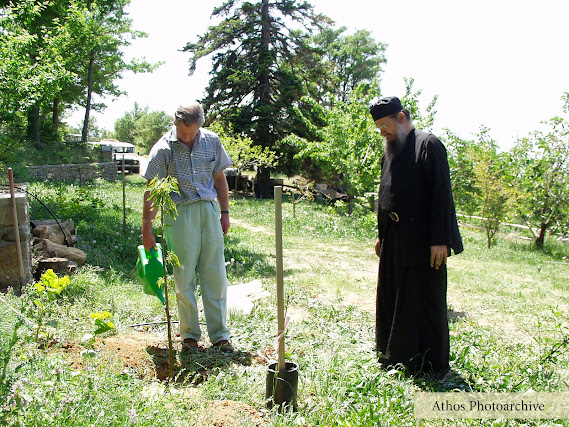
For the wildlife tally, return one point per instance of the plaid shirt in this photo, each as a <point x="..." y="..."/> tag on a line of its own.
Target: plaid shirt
<point x="193" y="169"/>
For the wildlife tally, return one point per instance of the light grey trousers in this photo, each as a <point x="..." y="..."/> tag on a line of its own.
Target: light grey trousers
<point x="196" y="238"/>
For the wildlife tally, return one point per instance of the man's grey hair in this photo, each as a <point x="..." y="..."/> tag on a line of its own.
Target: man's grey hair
<point x="190" y="114"/>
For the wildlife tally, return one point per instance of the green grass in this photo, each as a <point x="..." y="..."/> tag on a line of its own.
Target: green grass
<point x="508" y="308"/>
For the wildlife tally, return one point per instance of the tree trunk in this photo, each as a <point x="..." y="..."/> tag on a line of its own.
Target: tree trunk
<point x="37" y="139"/>
<point x="62" y="251"/>
<point x="57" y="265"/>
<point x="539" y="242"/>
<point x="55" y="118"/>
<point x="85" y="132"/>
<point x="264" y="182"/>
<point x="263" y="174"/>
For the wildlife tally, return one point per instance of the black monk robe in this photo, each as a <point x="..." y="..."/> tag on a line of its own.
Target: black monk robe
<point x="416" y="211"/>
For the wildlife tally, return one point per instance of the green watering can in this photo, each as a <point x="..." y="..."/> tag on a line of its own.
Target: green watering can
<point x="150" y="268"/>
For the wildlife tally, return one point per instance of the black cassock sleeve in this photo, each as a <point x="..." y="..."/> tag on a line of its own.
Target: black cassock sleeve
<point x="443" y="227"/>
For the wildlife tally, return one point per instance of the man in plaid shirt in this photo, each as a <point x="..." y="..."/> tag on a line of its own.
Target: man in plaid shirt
<point x="196" y="157"/>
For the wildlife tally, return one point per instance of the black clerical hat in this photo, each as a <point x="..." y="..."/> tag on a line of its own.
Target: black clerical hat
<point x="384" y="107"/>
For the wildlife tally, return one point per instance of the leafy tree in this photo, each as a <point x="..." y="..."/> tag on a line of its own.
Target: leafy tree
<point x="9" y="151"/>
<point x="353" y="60"/>
<point x="125" y="127"/>
<point x="492" y="195"/>
<point x="96" y="133"/>
<point x="150" y="128"/>
<point x="32" y="48"/>
<point x="539" y="165"/>
<point x="421" y="120"/>
<point x="141" y="127"/>
<point x="106" y="29"/>
<point x="462" y="175"/>
<point x="159" y="193"/>
<point x="262" y="65"/>
<point x="348" y="147"/>
<point x="480" y="179"/>
<point x="57" y="53"/>
<point x="243" y="153"/>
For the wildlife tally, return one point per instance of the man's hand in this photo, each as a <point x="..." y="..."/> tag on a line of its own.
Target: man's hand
<point x="438" y="255"/>
<point x="377" y="246"/>
<point x="148" y="215"/>
<point x="148" y="240"/>
<point x="220" y="185"/>
<point x="225" y="224"/>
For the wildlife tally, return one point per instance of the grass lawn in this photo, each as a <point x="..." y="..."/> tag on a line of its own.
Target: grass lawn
<point x="508" y="308"/>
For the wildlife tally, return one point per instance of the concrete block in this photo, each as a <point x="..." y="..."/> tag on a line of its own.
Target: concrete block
<point x="6" y="215"/>
<point x="23" y="231"/>
<point x="9" y="270"/>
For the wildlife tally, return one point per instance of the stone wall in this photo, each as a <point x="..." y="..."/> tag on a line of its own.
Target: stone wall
<point x="75" y="173"/>
<point x="9" y="269"/>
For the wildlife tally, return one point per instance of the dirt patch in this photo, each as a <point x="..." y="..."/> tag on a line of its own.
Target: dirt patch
<point x="143" y="353"/>
<point x="146" y="355"/>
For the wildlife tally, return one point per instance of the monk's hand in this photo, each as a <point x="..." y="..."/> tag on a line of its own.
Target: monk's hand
<point x="438" y="255"/>
<point x="377" y="246"/>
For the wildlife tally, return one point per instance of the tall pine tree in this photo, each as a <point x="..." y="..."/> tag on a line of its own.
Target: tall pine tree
<point x="263" y="63"/>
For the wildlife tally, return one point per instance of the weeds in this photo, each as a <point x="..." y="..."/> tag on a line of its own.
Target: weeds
<point x="37" y="302"/>
<point x="554" y="347"/>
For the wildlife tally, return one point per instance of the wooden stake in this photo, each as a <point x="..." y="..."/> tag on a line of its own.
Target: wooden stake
<point x="16" y="230"/>
<point x="280" y="287"/>
<point x="123" y="200"/>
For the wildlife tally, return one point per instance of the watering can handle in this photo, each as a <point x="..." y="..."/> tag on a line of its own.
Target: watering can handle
<point x="153" y="252"/>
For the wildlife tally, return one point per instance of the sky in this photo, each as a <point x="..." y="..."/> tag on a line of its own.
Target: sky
<point x="502" y="64"/>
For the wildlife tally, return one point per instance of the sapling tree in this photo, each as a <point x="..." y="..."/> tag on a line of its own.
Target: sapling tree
<point x="159" y="195"/>
<point x="348" y="148"/>
<point x="493" y="195"/>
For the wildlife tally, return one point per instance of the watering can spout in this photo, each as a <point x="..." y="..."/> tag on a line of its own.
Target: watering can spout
<point x="150" y="268"/>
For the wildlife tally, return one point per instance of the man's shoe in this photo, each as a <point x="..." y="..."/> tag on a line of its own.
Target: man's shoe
<point x="190" y="344"/>
<point x="224" y="346"/>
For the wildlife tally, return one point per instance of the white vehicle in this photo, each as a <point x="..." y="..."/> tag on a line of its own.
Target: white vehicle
<point x="120" y="151"/>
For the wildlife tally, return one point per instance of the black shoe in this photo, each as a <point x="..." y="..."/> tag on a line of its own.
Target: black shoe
<point x="444" y="374"/>
<point x="385" y="363"/>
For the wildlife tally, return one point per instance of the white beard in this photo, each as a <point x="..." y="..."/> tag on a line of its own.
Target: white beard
<point x="394" y="148"/>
